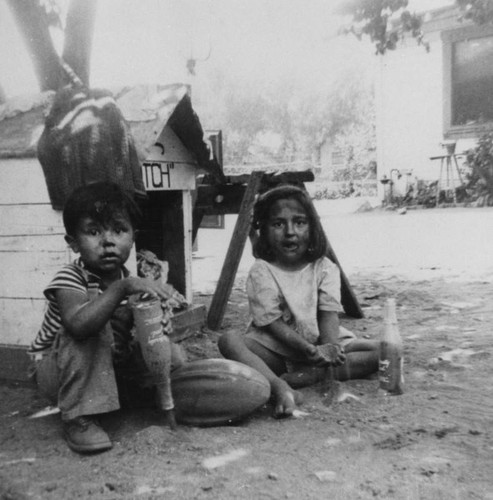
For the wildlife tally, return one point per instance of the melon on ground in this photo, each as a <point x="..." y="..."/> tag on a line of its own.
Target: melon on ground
<point x="217" y="391"/>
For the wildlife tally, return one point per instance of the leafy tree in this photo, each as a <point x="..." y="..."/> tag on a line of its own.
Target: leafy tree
<point x="244" y="119"/>
<point x="478" y="11"/>
<point x="372" y="18"/>
<point x="347" y="104"/>
<point x="284" y="120"/>
<point x="385" y="22"/>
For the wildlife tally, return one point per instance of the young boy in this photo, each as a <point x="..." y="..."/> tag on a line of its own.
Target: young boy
<point x="84" y="351"/>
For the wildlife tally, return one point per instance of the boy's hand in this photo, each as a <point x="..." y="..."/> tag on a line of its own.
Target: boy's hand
<point x="135" y="285"/>
<point x="327" y="355"/>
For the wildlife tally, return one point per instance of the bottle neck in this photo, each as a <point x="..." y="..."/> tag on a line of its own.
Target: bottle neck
<point x="390" y="315"/>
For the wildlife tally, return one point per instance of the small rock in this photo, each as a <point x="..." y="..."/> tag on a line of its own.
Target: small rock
<point x="354" y="439"/>
<point x="344" y="396"/>
<point x="326" y="476"/>
<point x="51" y="487"/>
<point x="332" y="442"/>
<point x="273" y="476"/>
<point x="300" y="414"/>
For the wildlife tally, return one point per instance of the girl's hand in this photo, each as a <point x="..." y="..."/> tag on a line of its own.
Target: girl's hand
<point x="327" y="355"/>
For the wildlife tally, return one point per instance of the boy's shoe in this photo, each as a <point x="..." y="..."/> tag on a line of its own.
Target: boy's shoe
<point x="84" y="435"/>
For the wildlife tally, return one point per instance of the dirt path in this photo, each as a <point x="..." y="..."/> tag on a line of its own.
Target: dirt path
<point x="433" y="442"/>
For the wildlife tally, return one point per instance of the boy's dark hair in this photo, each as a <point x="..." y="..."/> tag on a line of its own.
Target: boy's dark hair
<point x="318" y="245"/>
<point x="100" y="201"/>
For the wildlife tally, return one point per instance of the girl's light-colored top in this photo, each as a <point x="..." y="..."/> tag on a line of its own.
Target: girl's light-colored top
<point x="293" y="296"/>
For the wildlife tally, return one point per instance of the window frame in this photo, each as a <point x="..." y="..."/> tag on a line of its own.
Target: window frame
<point x="449" y="37"/>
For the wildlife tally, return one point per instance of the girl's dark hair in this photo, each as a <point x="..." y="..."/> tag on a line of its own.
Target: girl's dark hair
<point x="100" y="201"/>
<point x="318" y="245"/>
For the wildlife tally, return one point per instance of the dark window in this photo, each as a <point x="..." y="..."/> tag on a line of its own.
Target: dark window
<point x="472" y="81"/>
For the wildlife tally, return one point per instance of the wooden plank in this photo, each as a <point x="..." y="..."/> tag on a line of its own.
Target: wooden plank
<point x="219" y="199"/>
<point x="33" y="243"/>
<point x="188" y="322"/>
<point x="30" y="219"/>
<point x="275" y="177"/>
<point x="26" y="274"/>
<point x="349" y="301"/>
<point x="233" y="256"/>
<point x="197" y="216"/>
<point x="187" y="242"/>
<point x="296" y="178"/>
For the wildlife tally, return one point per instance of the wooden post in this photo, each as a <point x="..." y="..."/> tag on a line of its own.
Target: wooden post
<point x="349" y="301"/>
<point x="235" y="251"/>
<point x="187" y="242"/>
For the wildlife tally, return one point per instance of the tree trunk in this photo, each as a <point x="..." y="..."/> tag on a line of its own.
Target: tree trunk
<point x="32" y="22"/>
<point x="78" y="37"/>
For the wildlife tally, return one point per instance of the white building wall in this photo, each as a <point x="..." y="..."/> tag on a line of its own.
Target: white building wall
<point x="409" y="110"/>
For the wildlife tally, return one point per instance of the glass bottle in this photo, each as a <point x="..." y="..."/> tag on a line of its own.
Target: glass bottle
<point x="390" y="358"/>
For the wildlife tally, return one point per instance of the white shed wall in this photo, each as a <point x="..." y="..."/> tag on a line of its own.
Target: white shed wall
<point x="31" y="245"/>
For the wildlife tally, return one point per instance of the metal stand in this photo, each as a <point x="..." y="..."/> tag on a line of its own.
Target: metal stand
<point x="448" y="161"/>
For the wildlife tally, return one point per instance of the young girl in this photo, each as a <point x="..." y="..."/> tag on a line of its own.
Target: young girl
<point x="294" y="296"/>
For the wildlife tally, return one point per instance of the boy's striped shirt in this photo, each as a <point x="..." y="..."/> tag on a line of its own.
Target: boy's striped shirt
<point x="71" y="277"/>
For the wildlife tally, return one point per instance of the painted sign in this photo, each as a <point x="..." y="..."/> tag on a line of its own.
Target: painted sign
<point x="170" y="166"/>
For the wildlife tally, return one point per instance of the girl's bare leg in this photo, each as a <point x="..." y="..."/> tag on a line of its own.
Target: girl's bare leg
<point x="235" y="347"/>
<point x="361" y="362"/>
<point x="362" y="345"/>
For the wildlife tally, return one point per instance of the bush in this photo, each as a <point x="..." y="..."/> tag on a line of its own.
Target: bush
<point x="336" y="190"/>
<point x="480" y="160"/>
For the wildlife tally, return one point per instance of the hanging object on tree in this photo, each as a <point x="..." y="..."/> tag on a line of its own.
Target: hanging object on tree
<point x="86" y="139"/>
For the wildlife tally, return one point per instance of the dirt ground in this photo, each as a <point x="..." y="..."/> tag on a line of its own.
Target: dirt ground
<point x="433" y="442"/>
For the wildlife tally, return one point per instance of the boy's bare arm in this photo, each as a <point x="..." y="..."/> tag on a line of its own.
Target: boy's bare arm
<point x="83" y="318"/>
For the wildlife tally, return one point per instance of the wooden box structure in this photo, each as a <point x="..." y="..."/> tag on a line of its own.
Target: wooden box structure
<point x="31" y="232"/>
